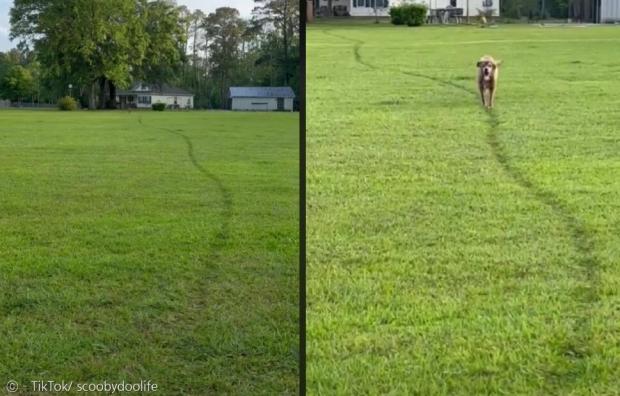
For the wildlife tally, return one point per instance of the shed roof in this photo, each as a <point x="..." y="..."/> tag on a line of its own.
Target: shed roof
<point x="261" y="92"/>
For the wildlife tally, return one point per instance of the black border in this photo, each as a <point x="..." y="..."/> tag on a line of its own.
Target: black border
<point x="302" y="197"/>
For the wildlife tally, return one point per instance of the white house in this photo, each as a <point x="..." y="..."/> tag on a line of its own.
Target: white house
<point x="261" y="98"/>
<point x="367" y="7"/>
<point x="142" y="96"/>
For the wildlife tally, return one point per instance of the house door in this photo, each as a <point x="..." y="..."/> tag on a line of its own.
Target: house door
<point x="280" y="104"/>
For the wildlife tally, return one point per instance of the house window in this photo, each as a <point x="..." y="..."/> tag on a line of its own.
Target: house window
<point x="487" y="3"/>
<point x="144" y="99"/>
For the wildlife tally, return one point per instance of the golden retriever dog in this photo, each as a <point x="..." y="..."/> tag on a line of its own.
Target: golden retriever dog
<point x="488" y="73"/>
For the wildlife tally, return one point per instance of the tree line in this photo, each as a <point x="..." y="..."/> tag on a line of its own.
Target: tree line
<point x="91" y="48"/>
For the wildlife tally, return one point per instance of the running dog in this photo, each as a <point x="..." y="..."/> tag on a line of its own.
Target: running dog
<point x="488" y="73"/>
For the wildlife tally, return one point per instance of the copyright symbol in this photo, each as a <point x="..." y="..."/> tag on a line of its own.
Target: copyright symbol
<point x="12" y="386"/>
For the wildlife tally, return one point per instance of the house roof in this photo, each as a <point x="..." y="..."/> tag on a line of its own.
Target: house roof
<point x="261" y="92"/>
<point x="164" y="89"/>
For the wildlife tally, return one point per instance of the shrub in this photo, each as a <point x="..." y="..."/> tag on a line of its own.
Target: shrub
<point x="67" y="103"/>
<point x="396" y="15"/>
<point x="159" y="106"/>
<point x="409" y="14"/>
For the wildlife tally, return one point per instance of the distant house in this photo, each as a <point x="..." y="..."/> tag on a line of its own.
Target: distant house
<point x="366" y="8"/>
<point x="261" y="98"/>
<point x="143" y="96"/>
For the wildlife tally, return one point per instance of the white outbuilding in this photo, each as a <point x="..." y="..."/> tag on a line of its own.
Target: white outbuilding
<point x="261" y="98"/>
<point x="610" y="11"/>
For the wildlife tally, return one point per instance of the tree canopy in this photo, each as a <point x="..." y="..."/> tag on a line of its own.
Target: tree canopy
<point x="98" y="46"/>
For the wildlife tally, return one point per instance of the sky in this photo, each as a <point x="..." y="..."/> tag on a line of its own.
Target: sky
<point x="244" y="7"/>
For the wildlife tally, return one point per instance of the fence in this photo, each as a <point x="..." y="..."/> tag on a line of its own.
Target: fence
<point x="29" y="105"/>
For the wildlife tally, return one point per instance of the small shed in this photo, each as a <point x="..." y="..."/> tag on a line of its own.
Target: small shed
<point x="261" y="98"/>
<point x="610" y="11"/>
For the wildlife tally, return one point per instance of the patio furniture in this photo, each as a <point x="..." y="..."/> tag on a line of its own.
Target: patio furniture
<point x="438" y="15"/>
<point x="457" y="15"/>
<point x="432" y="16"/>
<point x="445" y="15"/>
<point x="340" y="10"/>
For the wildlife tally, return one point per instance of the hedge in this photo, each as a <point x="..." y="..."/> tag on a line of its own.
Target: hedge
<point x="408" y="14"/>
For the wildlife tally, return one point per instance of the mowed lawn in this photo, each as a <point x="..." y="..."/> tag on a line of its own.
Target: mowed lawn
<point x="150" y="246"/>
<point x="456" y="251"/>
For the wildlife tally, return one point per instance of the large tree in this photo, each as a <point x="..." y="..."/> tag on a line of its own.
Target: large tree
<point x="165" y="30"/>
<point x="283" y="16"/>
<point x="101" y="44"/>
<point x="17" y="84"/>
<point x="224" y="34"/>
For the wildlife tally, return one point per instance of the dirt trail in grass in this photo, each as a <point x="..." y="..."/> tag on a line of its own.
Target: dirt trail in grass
<point x="215" y="245"/>
<point x="223" y="233"/>
<point x="583" y="240"/>
<point x="227" y="203"/>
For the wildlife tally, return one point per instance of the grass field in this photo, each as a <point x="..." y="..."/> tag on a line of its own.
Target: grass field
<point x="150" y="246"/>
<point x="452" y="250"/>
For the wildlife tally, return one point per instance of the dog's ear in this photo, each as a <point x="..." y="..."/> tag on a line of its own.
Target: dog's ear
<point x="479" y="63"/>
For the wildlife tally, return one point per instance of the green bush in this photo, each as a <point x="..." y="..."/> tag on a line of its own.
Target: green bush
<point x="409" y="14"/>
<point x="396" y="15"/>
<point x="67" y="103"/>
<point x="159" y="106"/>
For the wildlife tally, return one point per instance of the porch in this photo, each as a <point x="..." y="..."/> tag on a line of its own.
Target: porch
<point x="326" y="8"/>
<point x="133" y="100"/>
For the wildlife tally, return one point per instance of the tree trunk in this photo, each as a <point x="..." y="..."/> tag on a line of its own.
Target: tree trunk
<point x="195" y="54"/>
<point x="112" y="102"/>
<point x="286" y="44"/>
<point x="222" y="95"/>
<point x="92" y="96"/>
<point x="102" y="93"/>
